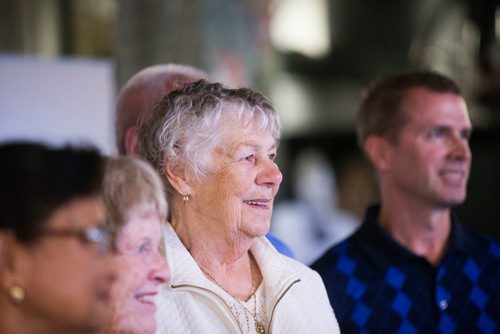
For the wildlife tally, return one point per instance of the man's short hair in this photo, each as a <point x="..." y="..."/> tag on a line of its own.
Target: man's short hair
<point x="381" y="111"/>
<point x="145" y="88"/>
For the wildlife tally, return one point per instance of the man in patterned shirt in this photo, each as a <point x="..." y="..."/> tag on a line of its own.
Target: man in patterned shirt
<point x="412" y="267"/>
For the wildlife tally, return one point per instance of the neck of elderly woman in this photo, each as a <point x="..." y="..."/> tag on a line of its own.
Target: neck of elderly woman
<point x="210" y="247"/>
<point x="224" y="258"/>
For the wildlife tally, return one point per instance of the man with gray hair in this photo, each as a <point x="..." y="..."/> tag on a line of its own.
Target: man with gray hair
<point x="143" y="89"/>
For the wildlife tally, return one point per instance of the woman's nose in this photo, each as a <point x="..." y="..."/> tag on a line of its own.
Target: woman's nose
<point x="270" y="174"/>
<point x="110" y="262"/>
<point x="161" y="272"/>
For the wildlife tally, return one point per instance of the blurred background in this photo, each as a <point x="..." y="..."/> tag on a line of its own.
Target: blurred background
<point x="62" y="62"/>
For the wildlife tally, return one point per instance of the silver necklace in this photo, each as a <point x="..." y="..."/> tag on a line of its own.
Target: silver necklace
<point x="259" y="326"/>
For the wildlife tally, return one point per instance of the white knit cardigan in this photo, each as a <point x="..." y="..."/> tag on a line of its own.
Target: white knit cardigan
<point x="296" y="299"/>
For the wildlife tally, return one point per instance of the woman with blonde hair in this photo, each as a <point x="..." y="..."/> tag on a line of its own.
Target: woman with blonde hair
<point x="134" y="197"/>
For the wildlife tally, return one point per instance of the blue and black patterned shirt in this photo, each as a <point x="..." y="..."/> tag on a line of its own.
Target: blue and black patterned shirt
<point x="377" y="286"/>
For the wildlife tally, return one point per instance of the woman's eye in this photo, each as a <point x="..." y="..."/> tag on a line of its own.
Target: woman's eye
<point x="250" y="157"/>
<point x="144" y="248"/>
<point x="272" y="156"/>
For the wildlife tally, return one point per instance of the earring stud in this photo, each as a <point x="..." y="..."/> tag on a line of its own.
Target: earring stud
<point x="185" y="199"/>
<point x="16" y="293"/>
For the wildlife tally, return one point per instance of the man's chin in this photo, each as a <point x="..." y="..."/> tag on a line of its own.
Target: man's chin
<point x="453" y="202"/>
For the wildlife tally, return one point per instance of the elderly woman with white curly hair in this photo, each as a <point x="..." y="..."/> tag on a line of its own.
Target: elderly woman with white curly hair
<point x="215" y="148"/>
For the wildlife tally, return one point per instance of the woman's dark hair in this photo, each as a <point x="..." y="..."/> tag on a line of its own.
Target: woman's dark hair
<point x="36" y="180"/>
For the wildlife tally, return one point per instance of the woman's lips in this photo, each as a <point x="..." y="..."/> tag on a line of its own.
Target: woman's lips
<point x="147" y="298"/>
<point x="260" y="203"/>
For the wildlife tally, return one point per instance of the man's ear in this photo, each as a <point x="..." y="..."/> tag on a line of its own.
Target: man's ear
<point x="130" y="141"/>
<point x="177" y="176"/>
<point x="379" y="151"/>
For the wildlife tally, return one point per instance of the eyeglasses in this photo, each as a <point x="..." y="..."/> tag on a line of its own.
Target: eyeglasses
<point x="99" y="236"/>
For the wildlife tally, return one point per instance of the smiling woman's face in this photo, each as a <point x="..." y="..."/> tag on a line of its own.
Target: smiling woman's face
<point x="141" y="269"/>
<point x="236" y="198"/>
<point x="67" y="280"/>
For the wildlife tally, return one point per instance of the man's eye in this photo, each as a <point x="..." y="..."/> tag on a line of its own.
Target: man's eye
<point x="436" y="133"/>
<point x="272" y="156"/>
<point x="465" y="134"/>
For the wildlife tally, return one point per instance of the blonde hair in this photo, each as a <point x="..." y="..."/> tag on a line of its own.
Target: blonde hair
<point x="132" y="186"/>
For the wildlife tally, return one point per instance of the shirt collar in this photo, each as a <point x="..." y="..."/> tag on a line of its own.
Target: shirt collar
<point x="461" y="238"/>
<point x="384" y="251"/>
<point x="274" y="267"/>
